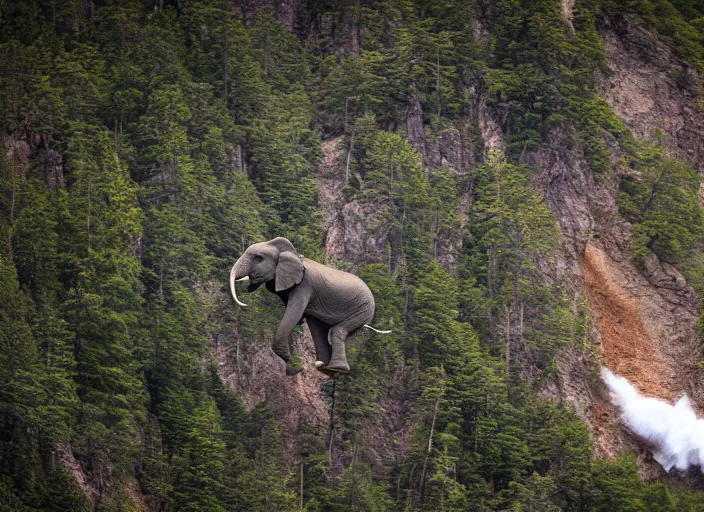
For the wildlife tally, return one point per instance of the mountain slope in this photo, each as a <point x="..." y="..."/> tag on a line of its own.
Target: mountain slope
<point x="517" y="182"/>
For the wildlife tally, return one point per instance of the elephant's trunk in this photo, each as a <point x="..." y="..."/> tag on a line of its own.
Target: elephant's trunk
<point x="236" y="274"/>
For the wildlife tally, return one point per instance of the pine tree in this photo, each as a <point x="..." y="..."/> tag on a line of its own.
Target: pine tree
<point x="663" y="203"/>
<point x="102" y="303"/>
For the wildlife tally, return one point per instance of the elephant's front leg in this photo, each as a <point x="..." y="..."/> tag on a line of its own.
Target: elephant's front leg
<point x="338" y="361"/>
<point x="295" y="308"/>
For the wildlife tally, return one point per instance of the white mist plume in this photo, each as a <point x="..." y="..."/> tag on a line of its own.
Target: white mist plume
<point x="673" y="431"/>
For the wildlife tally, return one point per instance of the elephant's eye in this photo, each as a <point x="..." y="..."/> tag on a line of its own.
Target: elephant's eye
<point x="257" y="258"/>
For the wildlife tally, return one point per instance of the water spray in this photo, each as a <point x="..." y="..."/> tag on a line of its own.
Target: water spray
<point x="674" y="432"/>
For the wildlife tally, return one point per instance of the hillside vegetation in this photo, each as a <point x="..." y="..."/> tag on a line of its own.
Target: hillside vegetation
<point x="147" y="143"/>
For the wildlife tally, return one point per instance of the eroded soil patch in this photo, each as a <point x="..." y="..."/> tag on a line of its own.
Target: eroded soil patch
<point x="628" y="348"/>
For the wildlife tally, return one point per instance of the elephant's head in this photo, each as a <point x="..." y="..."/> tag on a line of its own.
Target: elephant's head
<point x="276" y="260"/>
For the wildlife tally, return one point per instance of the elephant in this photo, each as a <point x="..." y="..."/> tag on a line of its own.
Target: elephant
<point x="334" y="304"/>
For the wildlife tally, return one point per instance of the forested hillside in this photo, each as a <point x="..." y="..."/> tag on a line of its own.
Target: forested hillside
<point x="517" y="181"/>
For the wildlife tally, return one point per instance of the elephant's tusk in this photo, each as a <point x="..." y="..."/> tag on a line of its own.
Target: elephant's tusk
<point x="239" y="302"/>
<point x="233" y="292"/>
<point x="245" y="278"/>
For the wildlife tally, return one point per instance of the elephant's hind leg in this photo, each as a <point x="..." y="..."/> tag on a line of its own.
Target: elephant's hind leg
<point x="338" y="361"/>
<point x="319" y="332"/>
<point x="339" y="334"/>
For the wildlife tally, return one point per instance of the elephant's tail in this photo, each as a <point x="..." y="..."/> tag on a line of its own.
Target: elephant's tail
<point x="377" y="330"/>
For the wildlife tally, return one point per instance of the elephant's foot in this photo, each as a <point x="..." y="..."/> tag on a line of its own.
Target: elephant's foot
<point x="338" y="365"/>
<point x="337" y="370"/>
<point x="282" y="351"/>
<point x="294" y="365"/>
<point x="338" y="361"/>
<point x="341" y="368"/>
<point x="327" y="370"/>
<point x="293" y="370"/>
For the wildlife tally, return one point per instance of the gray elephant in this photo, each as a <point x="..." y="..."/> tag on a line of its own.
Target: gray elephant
<point x="335" y="304"/>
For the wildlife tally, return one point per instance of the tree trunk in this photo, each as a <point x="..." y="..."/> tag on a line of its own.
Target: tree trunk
<point x="301" y="488"/>
<point x="437" y="232"/>
<point x="354" y="477"/>
<point x="13" y="201"/>
<point x="437" y="84"/>
<point x="489" y="278"/>
<point x="347" y="164"/>
<point x="421" y="490"/>
<point x="354" y="29"/>
<point x="331" y="428"/>
<point x="508" y="341"/>
<point x="226" y="71"/>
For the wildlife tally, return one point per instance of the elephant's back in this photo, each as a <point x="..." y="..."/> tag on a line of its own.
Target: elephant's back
<point x="336" y="291"/>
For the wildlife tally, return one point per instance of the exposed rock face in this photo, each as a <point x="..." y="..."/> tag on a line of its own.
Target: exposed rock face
<point x="568" y="12"/>
<point x="356" y="232"/>
<point x="93" y="485"/>
<point x="236" y="159"/>
<point x="330" y="185"/>
<point x="22" y="149"/>
<point x="17" y="150"/>
<point x="642" y="335"/>
<point x="360" y="232"/>
<point x="69" y="461"/>
<point x="53" y="162"/>
<point x="489" y="125"/>
<point x="579" y="204"/>
<point x="447" y="149"/>
<point x="256" y="374"/>
<point x="567" y="186"/>
<point x="652" y="89"/>
<point x="286" y="13"/>
<point x="250" y="369"/>
<point x="643" y="323"/>
<point x="451" y="147"/>
<point x="365" y="229"/>
<point x="390" y="435"/>
<point x="621" y="332"/>
<point x="415" y="131"/>
<point x="262" y="377"/>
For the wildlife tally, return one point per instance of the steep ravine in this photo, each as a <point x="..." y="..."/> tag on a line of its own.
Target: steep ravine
<point x="643" y="322"/>
<point x="656" y="93"/>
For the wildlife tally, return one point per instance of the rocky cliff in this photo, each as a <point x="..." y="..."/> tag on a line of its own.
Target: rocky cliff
<point x="642" y="321"/>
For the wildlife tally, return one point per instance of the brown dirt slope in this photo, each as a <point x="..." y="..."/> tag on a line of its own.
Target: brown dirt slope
<point x="627" y="346"/>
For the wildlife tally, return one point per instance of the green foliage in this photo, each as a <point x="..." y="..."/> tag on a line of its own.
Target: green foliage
<point x="512" y="234"/>
<point x="661" y="199"/>
<point x="384" y="351"/>
<point x="679" y="22"/>
<point x="284" y="156"/>
<point x="543" y="78"/>
<point x="618" y="486"/>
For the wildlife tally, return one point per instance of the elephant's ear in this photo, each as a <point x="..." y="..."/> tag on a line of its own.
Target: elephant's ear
<point x="289" y="271"/>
